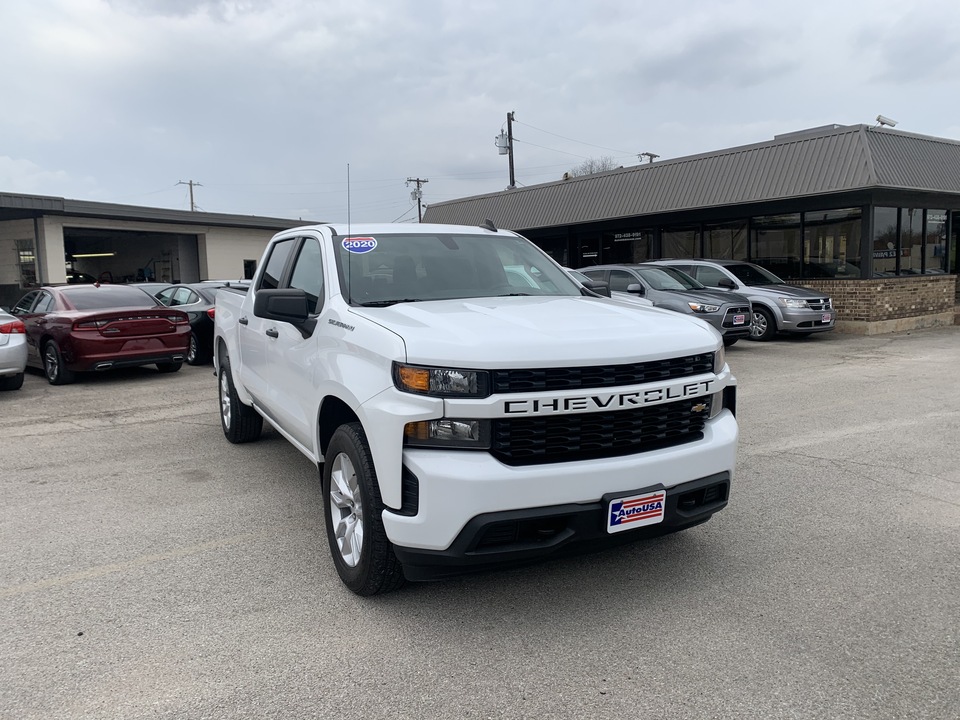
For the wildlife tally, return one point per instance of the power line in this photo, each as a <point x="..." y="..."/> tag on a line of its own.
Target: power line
<point x="581" y="142"/>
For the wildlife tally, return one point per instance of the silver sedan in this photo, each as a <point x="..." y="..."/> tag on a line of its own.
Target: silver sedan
<point x="13" y="352"/>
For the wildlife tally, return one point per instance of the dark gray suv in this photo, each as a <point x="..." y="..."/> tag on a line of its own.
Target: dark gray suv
<point x="777" y="307"/>
<point x="672" y="289"/>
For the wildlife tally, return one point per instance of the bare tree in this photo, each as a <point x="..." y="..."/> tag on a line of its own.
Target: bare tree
<point x="594" y="165"/>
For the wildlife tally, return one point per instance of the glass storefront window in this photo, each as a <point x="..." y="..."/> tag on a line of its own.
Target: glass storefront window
<point x="935" y="242"/>
<point x="631" y="246"/>
<point x="886" y="247"/>
<point x="555" y="247"/>
<point x="777" y="244"/>
<point x="725" y="242"/>
<point x="831" y="243"/>
<point x="911" y="241"/>
<point x="27" y="263"/>
<point x="680" y="242"/>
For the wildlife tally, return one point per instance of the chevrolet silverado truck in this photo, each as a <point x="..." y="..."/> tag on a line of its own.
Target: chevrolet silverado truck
<point x="462" y="418"/>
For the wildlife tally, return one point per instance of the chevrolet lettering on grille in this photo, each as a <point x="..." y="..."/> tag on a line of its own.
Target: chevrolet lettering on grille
<point x="607" y="401"/>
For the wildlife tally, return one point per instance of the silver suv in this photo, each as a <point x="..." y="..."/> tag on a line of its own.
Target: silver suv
<point x="668" y="288"/>
<point x="777" y="307"/>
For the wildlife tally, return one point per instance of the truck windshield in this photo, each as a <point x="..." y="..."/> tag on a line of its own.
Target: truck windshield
<point x="390" y="268"/>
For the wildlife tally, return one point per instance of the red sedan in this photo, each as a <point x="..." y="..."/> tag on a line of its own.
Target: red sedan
<point x="76" y="328"/>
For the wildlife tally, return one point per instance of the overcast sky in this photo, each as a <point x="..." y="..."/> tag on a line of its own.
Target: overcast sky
<point x="266" y="103"/>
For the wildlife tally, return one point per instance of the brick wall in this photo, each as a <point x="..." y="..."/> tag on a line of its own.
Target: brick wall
<point x="885" y="299"/>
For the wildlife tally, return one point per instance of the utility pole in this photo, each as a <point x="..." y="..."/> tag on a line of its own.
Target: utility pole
<point x="191" y="183"/>
<point x="417" y="195"/>
<point x="504" y="143"/>
<point x="513" y="180"/>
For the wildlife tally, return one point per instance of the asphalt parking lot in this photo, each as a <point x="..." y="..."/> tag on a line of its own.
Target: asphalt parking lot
<point x="149" y="569"/>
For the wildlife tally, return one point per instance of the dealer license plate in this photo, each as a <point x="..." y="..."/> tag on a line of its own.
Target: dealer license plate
<point x="636" y="511"/>
<point x="826" y="317"/>
<point x="739" y="319"/>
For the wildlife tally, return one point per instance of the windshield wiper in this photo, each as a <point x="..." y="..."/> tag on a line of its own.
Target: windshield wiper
<point x="388" y="303"/>
<point x="515" y="295"/>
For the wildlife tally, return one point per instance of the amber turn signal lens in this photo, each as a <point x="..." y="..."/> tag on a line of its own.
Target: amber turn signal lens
<point x="416" y="379"/>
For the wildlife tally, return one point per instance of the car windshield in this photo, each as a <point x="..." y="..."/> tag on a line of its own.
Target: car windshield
<point x="668" y="278"/>
<point x="112" y="296"/>
<point x="389" y="268"/>
<point x="754" y="275"/>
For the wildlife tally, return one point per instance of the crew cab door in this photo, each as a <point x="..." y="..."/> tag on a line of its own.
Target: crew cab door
<point x="288" y="366"/>
<point x="255" y="335"/>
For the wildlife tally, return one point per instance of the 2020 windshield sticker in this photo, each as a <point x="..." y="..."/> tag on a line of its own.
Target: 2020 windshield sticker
<point x="359" y="245"/>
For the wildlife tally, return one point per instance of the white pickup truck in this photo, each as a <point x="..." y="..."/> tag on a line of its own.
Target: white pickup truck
<point x="470" y="404"/>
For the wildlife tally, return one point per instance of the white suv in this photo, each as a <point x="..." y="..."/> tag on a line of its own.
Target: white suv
<point x="777" y="307"/>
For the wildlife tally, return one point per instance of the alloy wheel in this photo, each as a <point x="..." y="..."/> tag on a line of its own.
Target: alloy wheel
<point x="346" y="509"/>
<point x="225" y="398"/>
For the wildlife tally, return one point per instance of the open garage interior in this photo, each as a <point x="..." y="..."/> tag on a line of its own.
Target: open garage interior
<point x="50" y="240"/>
<point x="130" y="256"/>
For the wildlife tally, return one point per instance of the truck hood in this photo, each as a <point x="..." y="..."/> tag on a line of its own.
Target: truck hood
<point x="539" y="331"/>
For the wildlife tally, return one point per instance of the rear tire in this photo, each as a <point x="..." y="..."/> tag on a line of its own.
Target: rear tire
<point x="240" y="423"/>
<point x="11" y="382"/>
<point x="169" y="367"/>
<point x="361" y="552"/>
<point x="195" y="354"/>
<point x="53" y="366"/>
<point x="764" y="327"/>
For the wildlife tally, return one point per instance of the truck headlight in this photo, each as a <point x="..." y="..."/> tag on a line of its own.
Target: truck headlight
<point x="448" y="433"/>
<point x="703" y="307"/>
<point x="441" y="382"/>
<point x="792" y="302"/>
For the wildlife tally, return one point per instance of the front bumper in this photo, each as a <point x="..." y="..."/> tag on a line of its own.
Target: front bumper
<point x="454" y="487"/>
<point x="807" y="321"/>
<point x="514" y="537"/>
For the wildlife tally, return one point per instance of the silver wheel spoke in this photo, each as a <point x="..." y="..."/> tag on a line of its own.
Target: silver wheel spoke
<point x="346" y="509"/>
<point x="225" y="399"/>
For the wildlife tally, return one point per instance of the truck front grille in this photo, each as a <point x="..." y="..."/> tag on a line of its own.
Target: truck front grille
<point x="563" y="438"/>
<point x="599" y="376"/>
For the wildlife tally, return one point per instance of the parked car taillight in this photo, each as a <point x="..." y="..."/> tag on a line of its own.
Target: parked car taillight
<point x="179" y="319"/>
<point x="90" y="324"/>
<point x="14" y="327"/>
<point x="211" y="312"/>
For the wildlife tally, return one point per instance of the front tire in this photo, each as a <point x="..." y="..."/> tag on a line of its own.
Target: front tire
<point x="764" y="327"/>
<point x="727" y="342"/>
<point x="362" y="554"/>
<point x="240" y="423"/>
<point x="53" y="367"/>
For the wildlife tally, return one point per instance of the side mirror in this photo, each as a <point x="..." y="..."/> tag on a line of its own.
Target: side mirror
<point x="287" y="305"/>
<point x="636" y="289"/>
<point x="726" y="283"/>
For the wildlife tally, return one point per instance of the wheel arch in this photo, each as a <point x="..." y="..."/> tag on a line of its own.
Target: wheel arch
<point x="333" y="413"/>
<point x="770" y="308"/>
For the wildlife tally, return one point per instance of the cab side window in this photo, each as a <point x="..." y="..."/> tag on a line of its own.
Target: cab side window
<point x="273" y="272"/>
<point x="308" y="274"/>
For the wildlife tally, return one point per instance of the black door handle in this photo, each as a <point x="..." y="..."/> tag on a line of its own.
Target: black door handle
<point x="272" y="333"/>
<point x="243" y="321"/>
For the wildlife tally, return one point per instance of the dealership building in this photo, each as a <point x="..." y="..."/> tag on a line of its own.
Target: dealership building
<point x="869" y="215"/>
<point x="46" y="240"/>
